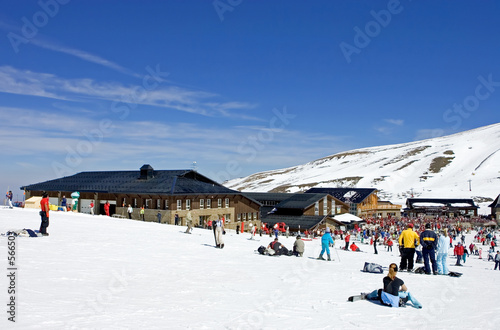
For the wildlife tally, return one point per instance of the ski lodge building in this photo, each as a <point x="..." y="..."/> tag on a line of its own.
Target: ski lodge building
<point x="186" y="193"/>
<point x="449" y="207"/>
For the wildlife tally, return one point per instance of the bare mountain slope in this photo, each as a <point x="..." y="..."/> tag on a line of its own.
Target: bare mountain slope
<point x="465" y="164"/>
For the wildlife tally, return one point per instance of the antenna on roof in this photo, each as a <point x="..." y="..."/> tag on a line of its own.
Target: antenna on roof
<point x="194" y="166"/>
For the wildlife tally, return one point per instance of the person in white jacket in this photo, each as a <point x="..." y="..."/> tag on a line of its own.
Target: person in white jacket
<point x="442" y="253"/>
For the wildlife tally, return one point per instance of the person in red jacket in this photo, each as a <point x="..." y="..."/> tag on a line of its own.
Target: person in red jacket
<point x="44" y="213"/>
<point x="347" y="239"/>
<point x="390" y="243"/>
<point x="459" y="252"/>
<point x="106" y="208"/>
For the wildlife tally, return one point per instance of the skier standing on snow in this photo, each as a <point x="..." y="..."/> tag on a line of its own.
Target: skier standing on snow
<point x="347" y="239"/>
<point x="219" y="231"/>
<point x="9" y="198"/>
<point x="44" y="213"/>
<point x="64" y="203"/>
<point x="106" y="208"/>
<point x="497" y="261"/>
<point x="459" y="252"/>
<point x="129" y="211"/>
<point x="442" y="253"/>
<point x="428" y="241"/>
<point x="326" y="240"/>
<point x="407" y="243"/>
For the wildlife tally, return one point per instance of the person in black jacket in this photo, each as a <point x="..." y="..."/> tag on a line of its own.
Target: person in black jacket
<point x="428" y="240"/>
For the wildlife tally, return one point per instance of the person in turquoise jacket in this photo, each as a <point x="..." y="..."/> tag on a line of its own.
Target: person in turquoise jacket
<point x="326" y="240"/>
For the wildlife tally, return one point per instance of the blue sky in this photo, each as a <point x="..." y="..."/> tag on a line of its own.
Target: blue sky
<point x="238" y="86"/>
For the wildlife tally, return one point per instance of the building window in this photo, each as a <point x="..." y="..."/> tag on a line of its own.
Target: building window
<point x="325" y="206"/>
<point x="158" y="204"/>
<point x="166" y="204"/>
<point x="249" y="216"/>
<point x="219" y="203"/>
<point x="209" y="202"/>
<point x="135" y="202"/>
<point x="239" y="216"/>
<point x="179" y="204"/>
<point x="255" y="216"/>
<point x="149" y="203"/>
<point x="244" y="216"/>
<point x="188" y="204"/>
<point x="316" y="208"/>
<point x="227" y="202"/>
<point x="202" y="203"/>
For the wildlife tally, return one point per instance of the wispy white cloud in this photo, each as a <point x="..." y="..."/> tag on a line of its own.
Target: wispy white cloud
<point x="170" y="144"/>
<point x="42" y="42"/>
<point x="47" y="85"/>
<point x="85" y="56"/>
<point x="397" y="122"/>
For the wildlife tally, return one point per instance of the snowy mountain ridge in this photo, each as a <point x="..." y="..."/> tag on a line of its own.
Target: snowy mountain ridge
<point x="462" y="165"/>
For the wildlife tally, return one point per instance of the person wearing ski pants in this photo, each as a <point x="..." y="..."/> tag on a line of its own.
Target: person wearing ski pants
<point x="326" y="239"/>
<point x="442" y="253"/>
<point x="219" y="231"/>
<point x="407" y="241"/>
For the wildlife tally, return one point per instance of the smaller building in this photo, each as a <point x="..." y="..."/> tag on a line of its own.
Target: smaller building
<point x="299" y="211"/>
<point x="363" y="202"/>
<point x="495" y="209"/>
<point x="433" y="207"/>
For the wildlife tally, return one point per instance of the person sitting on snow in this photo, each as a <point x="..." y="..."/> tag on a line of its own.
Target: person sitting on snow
<point x="298" y="247"/>
<point x="355" y="248"/>
<point x="395" y="293"/>
<point x="276" y="248"/>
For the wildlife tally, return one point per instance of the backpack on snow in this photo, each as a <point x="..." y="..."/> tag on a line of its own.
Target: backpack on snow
<point x="371" y="267"/>
<point x="261" y="249"/>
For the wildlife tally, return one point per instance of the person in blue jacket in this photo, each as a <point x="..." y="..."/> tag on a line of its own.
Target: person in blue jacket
<point x="326" y="240"/>
<point x="429" y="241"/>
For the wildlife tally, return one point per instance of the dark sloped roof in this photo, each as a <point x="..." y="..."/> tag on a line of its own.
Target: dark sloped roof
<point x="496" y="202"/>
<point x="300" y="201"/>
<point x="264" y="196"/>
<point x="162" y="182"/>
<point x="444" y="201"/>
<point x="304" y="221"/>
<point x="353" y="195"/>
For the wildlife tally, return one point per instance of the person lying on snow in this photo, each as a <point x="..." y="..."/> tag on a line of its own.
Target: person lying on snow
<point x="395" y="293"/>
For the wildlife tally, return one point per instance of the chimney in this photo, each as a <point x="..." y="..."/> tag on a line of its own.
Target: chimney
<point x="146" y="172"/>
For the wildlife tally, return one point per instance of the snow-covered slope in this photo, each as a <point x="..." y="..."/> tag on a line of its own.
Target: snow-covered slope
<point x="107" y="273"/>
<point x="462" y="165"/>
